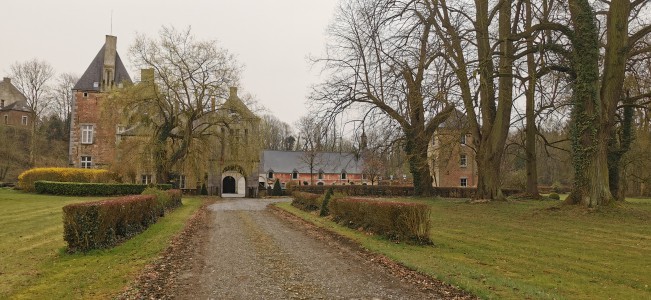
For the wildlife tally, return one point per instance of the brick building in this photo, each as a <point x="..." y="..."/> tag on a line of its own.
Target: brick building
<point x="92" y="132"/>
<point x="14" y="110"/>
<point x="304" y="168"/>
<point x="451" y="154"/>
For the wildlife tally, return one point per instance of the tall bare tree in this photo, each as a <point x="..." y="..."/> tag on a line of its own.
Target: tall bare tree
<point x="63" y="97"/>
<point x="383" y="59"/>
<point x="187" y="74"/>
<point x="32" y="78"/>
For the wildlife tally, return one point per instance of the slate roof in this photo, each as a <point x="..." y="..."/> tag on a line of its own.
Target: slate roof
<point x="95" y="70"/>
<point x="328" y="162"/>
<point x="18" y="106"/>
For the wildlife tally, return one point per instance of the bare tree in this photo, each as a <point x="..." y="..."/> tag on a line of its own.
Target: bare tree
<point x="32" y="78"/>
<point x="63" y="97"/>
<point x="187" y="75"/>
<point x="383" y="59"/>
<point x="274" y="133"/>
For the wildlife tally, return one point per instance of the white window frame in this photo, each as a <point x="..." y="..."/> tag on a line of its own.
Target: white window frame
<point x="182" y="181"/>
<point x="23" y="120"/>
<point x="463" y="139"/>
<point x="86" y="162"/>
<point x="463" y="160"/>
<point x="321" y="175"/>
<point x="270" y="174"/>
<point x="145" y="179"/>
<point x="295" y="175"/>
<point x="87" y="133"/>
<point x="344" y="175"/>
<point x="463" y="182"/>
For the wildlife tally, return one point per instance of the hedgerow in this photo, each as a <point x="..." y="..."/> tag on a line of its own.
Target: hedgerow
<point x="91" y="189"/>
<point x="103" y="224"/>
<point x="167" y="200"/>
<point x="27" y="179"/>
<point x="394" y="220"/>
<point x="306" y="201"/>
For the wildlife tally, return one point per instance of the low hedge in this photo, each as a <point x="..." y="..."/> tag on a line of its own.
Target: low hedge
<point x="103" y="224"/>
<point x="167" y="200"/>
<point x="91" y="189"/>
<point x="393" y="190"/>
<point x="27" y="179"/>
<point x="394" y="220"/>
<point x="306" y="201"/>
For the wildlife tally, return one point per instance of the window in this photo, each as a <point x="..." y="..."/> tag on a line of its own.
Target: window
<point x="464" y="182"/>
<point x="24" y="120"/>
<point x="86" y="162"/>
<point x="86" y="134"/>
<point x="344" y="175"/>
<point x="320" y="174"/>
<point x="146" y="179"/>
<point x="463" y="160"/>
<point x="294" y="174"/>
<point x="2" y="104"/>
<point x="182" y="181"/>
<point x="119" y="130"/>
<point x="270" y="174"/>
<point x="463" y="139"/>
<point x="85" y="94"/>
<point x="6" y="119"/>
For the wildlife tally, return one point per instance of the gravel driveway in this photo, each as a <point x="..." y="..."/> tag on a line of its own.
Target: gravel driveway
<point x="251" y="253"/>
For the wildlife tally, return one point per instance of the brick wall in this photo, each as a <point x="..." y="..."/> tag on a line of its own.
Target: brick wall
<point x="87" y="110"/>
<point x="14" y="118"/>
<point x="328" y="178"/>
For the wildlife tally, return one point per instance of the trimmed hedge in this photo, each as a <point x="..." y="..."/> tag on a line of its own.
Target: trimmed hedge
<point x="167" y="200"/>
<point x="27" y="179"/>
<point x="306" y="201"/>
<point x="393" y="190"/>
<point x="91" y="189"/>
<point x="103" y="224"/>
<point x="394" y="220"/>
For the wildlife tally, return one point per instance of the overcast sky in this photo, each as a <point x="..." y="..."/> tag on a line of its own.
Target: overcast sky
<point x="271" y="38"/>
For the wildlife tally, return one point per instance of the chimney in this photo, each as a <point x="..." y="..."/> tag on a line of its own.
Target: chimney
<point x="233" y="92"/>
<point x="146" y="75"/>
<point x="6" y="80"/>
<point x="110" y="54"/>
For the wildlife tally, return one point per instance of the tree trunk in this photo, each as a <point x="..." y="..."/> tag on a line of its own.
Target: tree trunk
<point x="488" y="181"/>
<point x="416" y="150"/>
<point x="530" y="131"/>
<point x="590" y="132"/>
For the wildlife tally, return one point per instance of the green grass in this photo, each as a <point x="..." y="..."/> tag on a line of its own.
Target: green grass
<point x="35" y="265"/>
<point x="527" y="249"/>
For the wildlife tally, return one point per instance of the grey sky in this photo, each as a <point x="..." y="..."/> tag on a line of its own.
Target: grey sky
<point x="271" y="38"/>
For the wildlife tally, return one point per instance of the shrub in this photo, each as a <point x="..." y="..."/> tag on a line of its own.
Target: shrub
<point x="277" y="190"/>
<point x="204" y="190"/>
<point x="167" y="200"/>
<point x="324" y="204"/>
<point x="306" y="201"/>
<point x="103" y="224"/>
<point x="27" y="179"/>
<point x="394" y="220"/>
<point x="554" y="196"/>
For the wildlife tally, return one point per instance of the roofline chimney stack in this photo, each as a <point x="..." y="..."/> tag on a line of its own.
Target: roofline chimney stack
<point x="6" y="79"/>
<point x="110" y="55"/>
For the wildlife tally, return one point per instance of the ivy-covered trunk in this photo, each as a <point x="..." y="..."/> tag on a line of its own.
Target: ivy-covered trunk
<point x="416" y="150"/>
<point x="590" y="131"/>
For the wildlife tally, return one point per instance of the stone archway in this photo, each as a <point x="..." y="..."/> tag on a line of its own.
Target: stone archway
<point x="229" y="185"/>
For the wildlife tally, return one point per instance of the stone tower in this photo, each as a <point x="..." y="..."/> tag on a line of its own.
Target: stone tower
<point x="92" y="133"/>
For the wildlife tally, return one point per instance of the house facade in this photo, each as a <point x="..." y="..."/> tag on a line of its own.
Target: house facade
<point x="451" y="154"/>
<point x="14" y="110"/>
<point x="310" y="168"/>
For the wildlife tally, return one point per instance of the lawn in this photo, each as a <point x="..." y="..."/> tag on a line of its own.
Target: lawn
<point x="528" y="249"/>
<point x="35" y="265"/>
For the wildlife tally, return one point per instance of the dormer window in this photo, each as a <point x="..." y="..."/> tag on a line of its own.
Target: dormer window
<point x="270" y="174"/>
<point x="344" y="175"/>
<point x="295" y="174"/>
<point x="320" y="174"/>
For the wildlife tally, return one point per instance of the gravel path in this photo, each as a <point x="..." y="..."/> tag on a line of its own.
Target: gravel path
<point x="251" y="253"/>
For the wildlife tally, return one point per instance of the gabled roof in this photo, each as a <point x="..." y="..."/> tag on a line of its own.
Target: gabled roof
<point x="234" y="103"/>
<point x="17" y="106"/>
<point x="327" y="162"/>
<point x="95" y="70"/>
<point x="9" y="92"/>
